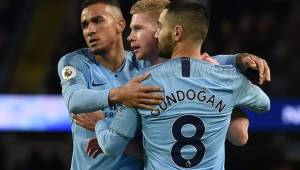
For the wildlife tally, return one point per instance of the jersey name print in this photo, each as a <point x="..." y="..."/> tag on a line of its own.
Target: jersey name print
<point x="178" y="96"/>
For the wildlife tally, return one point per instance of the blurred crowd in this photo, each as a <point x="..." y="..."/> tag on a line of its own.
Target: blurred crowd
<point x="268" y="29"/>
<point x="265" y="28"/>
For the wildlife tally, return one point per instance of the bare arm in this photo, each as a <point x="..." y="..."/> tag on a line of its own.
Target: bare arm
<point x="238" y="129"/>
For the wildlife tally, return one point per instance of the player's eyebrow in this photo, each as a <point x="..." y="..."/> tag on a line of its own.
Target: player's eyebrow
<point x="92" y="19"/>
<point x="96" y="18"/>
<point x="136" y="26"/>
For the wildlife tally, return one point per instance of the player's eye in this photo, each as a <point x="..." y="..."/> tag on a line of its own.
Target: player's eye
<point x="97" y="20"/>
<point x="137" y="28"/>
<point x="84" y="24"/>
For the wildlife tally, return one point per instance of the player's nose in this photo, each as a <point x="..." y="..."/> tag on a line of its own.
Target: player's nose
<point x="91" y="29"/>
<point x="130" y="37"/>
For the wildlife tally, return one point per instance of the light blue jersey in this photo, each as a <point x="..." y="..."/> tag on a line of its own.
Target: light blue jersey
<point x="188" y="129"/>
<point x="85" y="88"/>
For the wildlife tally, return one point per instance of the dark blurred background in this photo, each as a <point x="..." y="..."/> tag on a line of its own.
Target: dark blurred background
<point x="35" y="34"/>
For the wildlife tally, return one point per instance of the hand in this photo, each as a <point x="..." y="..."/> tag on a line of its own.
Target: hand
<point x="245" y="60"/>
<point x="136" y="95"/>
<point x="88" y="120"/>
<point x="209" y="59"/>
<point x="92" y="148"/>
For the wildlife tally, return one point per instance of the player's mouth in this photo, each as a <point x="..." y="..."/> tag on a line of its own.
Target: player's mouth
<point x="93" y="41"/>
<point x="135" y="48"/>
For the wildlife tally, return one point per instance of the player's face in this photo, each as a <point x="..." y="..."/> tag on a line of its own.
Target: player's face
<point x="164" y="35"/>
<point x="142" y="40"/>
<point x="99" y="26"/>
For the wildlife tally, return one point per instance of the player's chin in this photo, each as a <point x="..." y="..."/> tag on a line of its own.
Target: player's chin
<point x="96" y="50"/>
<point x="139" y="55"/>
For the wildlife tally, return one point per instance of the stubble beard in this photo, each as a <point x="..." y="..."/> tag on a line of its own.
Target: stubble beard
<point x="166" y="47"/>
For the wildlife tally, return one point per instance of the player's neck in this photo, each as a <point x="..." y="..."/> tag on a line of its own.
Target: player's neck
<point x="154" y="59"/>
<point x="187" y="49"/>
<point x="114" y="57"/>
<point x="157" y="60"/>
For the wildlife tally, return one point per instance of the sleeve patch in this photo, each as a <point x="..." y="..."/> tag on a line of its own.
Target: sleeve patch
<point x="69" y="72"/>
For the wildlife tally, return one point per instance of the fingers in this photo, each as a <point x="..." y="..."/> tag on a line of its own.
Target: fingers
<point x="86" y="117"/>
<point x="83" y="121"/>
<point x="141" y="78"/>
<point x="90" y="143"/>
<point x="259" y="64"/>
<point x="145" y="98"/>
<point x="144" y="106"/>
<point x="74" y="116"/>
<point x="77" y="119"/>
<point x="80" y="117"/>
<point x="250" y="63"/>
<point x="147" y="101"/>
<point x="97" y="153"/>
<point x="267" y="71"/>
<point x="205" y="55"/>
<point x="150" y="89"/>
<point x="151" y="96"/>
<point x="92" y="148"/>
<point x="150" y="101"/>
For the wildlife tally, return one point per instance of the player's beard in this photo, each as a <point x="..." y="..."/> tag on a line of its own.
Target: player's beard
<point x="99" y="51"/>
<point x="166" y="46"/>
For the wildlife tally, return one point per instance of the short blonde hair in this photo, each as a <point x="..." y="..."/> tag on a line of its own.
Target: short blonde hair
<point x="151" y="7"/>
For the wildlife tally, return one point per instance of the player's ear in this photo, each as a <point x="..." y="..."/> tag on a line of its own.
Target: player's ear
<point x="121" y="25"/>
<point x="178" y="32"/>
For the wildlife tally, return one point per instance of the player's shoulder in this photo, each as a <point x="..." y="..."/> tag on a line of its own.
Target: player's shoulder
<point x="78" y="59"/>
<point x="78" y="56"/>
<point x="216" y="70"/>
<point x="160" y="68"/>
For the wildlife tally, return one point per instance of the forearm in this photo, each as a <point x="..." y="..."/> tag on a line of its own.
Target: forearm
<point x="226" y="59"/>
<point x="260" y="102"/>
<point x="238" y="132"/>
<point x="235" y="59"/>
<point x="86" y="100"/>
<point x="238" y="129"/>
<point x="250" y="96"/>
<point x="110" y="142"/>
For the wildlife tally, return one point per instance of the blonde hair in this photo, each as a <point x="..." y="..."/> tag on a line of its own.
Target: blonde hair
<point x="151" y="7"/>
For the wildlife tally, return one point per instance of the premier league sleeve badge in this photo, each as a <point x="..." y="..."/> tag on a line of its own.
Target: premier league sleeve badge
<point x="69" y="72"/>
